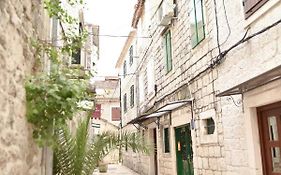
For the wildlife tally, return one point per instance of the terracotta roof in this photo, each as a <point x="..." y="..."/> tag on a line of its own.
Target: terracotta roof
<point x="138" y="12"/>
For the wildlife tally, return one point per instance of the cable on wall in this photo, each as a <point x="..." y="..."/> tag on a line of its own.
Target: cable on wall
<point x="220" y="58"/>
<point x="217" y="27"/>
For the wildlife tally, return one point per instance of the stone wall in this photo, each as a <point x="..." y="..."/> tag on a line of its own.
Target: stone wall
<point x="20" y="21"/>
<point x="225" y="151"/>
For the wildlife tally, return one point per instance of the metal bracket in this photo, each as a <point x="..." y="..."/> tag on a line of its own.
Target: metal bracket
<point x="141" y="125"/>
<point x="136" y="127"/>
<point x="157" y="122"/>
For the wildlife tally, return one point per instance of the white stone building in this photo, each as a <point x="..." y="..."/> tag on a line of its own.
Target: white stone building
<point x="211" y="102"/>
<point x="127" y="65"/>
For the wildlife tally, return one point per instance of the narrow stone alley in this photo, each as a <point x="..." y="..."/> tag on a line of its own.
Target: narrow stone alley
<point x="116" y="169"/>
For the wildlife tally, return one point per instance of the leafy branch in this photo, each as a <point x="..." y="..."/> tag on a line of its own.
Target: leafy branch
<point x="53" y="97"/>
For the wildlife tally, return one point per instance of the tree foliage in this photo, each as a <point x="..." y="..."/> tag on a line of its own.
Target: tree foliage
<point x="52" y="97"/>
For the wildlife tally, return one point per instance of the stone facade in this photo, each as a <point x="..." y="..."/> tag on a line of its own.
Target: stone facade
<point x="20" y="22"/>
<point x="199" y="73"/>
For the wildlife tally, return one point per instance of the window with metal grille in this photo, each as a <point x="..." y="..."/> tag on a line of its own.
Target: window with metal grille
<point x="209" y="126"/>
<point x="125" y="103"/>
<point x="132" y="96"/>
<point x="131" y="55"/>
<point x="115" y="114"/>
<point x="124" y="69"/>
<point x="168" y="51"/>
<point x="166" y="140"/>
<point x="197" y="26"/>
<point x="251" y="6"/>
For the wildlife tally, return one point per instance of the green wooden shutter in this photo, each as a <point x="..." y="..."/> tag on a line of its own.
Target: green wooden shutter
<point x="199" y="20"/>
<point x="168" y="51"/>
<point x="196" y="22"/>
<point x="193" y="27"/>
<point x="166" y="140"/>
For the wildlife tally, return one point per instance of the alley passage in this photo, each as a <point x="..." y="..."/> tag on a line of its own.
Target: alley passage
<point x="115" y="169"/>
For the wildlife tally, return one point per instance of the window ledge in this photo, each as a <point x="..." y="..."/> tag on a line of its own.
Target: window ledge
<point x="208" y="138"/>
<point x="260" y="12"/>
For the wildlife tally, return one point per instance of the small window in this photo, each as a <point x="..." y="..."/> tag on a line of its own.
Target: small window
<point x="115" y="114"/>
<point x="97" y="112"/>
<point x="197" y="26"/>
<point x="125" y="103"/>
<point x="76" y="57"/>
<point x="209" y="126"/>
<point x="132" y="96"/>
<point x="131" y="55"/>
<point x="124" y="69"/>
<point x="251" y="6"/>
<point x="168" y="51"/>
<point x="166" y="140"/>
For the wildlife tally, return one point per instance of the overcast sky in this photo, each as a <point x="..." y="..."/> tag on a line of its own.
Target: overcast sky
<point x="114" y="18"/>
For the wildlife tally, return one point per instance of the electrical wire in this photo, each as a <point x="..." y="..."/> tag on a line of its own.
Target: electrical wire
<point x="219" y="60"/>
<point x="227" y="23"/>
<point x="119" y="36"/>
<point x="217" y="27"/>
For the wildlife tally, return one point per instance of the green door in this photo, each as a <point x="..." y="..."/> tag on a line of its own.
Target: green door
<point x="184" y="150"/>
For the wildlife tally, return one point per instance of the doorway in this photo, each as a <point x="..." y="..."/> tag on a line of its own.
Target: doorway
<point x="155" y="151"/>
<point x="269" y="121"/>
<point x="184" y="153"/>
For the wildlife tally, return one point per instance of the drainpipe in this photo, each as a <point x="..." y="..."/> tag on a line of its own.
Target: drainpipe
<point x="120" y="103"/>
<point x="120" y="129"/>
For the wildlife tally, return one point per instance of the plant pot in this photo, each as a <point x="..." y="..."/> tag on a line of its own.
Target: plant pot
<point x="103" y="167"/>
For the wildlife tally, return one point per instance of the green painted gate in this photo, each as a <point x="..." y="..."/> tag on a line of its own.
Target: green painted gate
<point x="184" y="150"/>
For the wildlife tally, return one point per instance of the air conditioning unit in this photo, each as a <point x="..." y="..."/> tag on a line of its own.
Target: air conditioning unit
<point x="166" y="12"/>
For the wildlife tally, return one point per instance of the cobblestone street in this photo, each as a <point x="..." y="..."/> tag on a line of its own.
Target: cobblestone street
<point x="115" y="169"/>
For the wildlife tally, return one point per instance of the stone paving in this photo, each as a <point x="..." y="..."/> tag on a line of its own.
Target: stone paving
<point x="116" y="169"/>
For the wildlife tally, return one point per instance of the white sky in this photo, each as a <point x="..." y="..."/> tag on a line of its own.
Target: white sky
<point x="114" y="18"/>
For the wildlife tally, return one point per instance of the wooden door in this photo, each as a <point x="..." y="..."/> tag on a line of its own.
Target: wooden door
<point x="184" y="151"/>
<point x="155" y="151"/>
<point x="269" y="120"/>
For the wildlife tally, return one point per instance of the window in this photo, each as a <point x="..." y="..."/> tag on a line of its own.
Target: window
<point x="168" y="51"/>
<point x="166" y="140"/>
<point x="131" y="55"/>
<point x="125" y="103"/>
<point x="132" y="96"/>
<point x="124" y="69"/>
<point x="209" y="126"/>
<point x="251" y="6"/>
<point x="196" y="22"/>
<point x="115" y="114"/>
<point x="97" y="112"/>
<point x="76" y="55"/>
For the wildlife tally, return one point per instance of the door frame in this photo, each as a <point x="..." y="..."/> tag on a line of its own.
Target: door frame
<point x="175" y="139"/>
<point x="260" y="110"/>
<point x="155" y="151"/>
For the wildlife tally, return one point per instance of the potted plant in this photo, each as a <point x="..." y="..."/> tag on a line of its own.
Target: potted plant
<point x="103" y="166"/>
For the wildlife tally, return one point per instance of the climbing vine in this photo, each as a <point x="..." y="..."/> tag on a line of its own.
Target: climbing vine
<point x="53" y="97"/>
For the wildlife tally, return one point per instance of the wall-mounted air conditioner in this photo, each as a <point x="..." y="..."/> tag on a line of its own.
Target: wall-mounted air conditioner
<point x="166" y="12"/>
